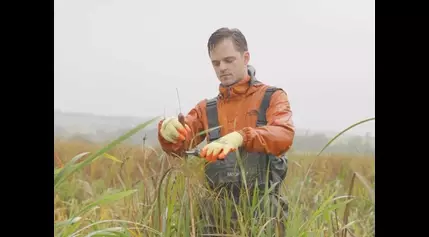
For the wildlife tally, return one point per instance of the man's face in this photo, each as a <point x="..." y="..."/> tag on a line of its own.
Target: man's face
<point x="229" y="64"/>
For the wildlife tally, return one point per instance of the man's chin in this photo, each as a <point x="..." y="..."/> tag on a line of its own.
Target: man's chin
<point x="228" y="82"/>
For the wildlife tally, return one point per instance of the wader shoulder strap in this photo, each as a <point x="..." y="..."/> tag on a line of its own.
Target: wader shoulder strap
<point x="212" y="118"/>
<point x="277" y="171"/>
<point x="265" y="103"/>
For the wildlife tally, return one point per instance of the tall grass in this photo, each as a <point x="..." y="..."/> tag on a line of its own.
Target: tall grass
<point x="120" y="190"/>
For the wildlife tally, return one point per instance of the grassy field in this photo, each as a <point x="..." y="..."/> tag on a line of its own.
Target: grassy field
<point x="135" y="191"/>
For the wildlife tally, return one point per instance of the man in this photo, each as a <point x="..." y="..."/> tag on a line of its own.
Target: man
<point x="255" y="122"/>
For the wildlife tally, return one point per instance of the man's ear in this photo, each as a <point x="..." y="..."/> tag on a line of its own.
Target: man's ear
<point x="246" y="56"/>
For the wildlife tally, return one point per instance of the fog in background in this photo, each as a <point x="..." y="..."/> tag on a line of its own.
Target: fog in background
<point x="127" y="57"/>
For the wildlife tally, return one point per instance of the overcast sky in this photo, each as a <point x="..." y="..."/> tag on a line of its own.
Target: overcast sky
<point x="127" y="57"/>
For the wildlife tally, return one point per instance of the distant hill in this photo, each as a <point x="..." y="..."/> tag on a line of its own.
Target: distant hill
<point x="99" y="128"/>
<point x="92" y="121"/>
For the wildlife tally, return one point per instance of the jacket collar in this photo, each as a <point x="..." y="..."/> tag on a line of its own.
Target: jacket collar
<point x="245" y="86"/>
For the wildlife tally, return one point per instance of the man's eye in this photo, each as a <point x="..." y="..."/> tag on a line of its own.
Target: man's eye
<point x="229" y="60"/>
<point x="215" y="63"/>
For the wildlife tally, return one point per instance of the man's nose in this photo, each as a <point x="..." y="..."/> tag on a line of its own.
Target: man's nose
<point x="222" y="66"/>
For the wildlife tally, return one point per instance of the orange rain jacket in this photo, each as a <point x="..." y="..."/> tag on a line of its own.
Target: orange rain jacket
<point x="237" y="111"/>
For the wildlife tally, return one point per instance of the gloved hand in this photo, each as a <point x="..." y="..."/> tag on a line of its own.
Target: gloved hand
<point x="173" y="131"/>
<point x="220" y="148"/>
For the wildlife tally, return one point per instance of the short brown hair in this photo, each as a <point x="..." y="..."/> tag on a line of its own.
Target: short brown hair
<point x="234" y="34"/>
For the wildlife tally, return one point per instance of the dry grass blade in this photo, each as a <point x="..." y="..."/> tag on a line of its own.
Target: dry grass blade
<point x="265" y="225"/>
<point x="346" y="211"/>
<point x="367" y="186"/>
<point x="112" y="158"/>
<point x="110" y="231"/>
<point x="346" y="227"/>
<point x="116" y="221"/>
<point x="334" y="223"/>
<point x="159" y="188"/>
<point x="222" y="235"/>
<point x="190" y="206"/>
<point x="58" y="160"/>
<point x="351" y="233"/>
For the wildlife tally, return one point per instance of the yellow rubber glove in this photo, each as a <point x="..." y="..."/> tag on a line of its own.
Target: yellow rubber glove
<point x="220" y="148"/>
<point x="173" y="131"/>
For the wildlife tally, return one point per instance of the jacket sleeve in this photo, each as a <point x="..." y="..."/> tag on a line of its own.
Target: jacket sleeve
<point x="277" y="136"/>
<point x="194" y="119"/>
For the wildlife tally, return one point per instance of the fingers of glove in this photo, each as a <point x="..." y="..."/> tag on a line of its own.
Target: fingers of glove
<point x="169" y="139"/>
<point x="208" y="158"/>
<point x="173" y="129"/>
<point x="183" y="133"/>
<point x="205" y="152"/>
<point x="211" y="159"/>
<point x="188" y="130"/>
<point x="166" y="122"/>
<point x="211" y="151"/>
<point x="171" y="134"/>
<point x="172" y="121"/>
<point x="208" y="151"/>
<point x="225" y="152"/>
<point x="215" y="152"/>
<point x="166" y="134"/>
<point x="175" y="122"/>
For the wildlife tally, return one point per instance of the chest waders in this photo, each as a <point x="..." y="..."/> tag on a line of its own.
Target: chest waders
<point x="257" y="167"/>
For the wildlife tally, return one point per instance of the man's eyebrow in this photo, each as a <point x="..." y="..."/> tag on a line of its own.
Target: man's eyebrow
<point x="229" y="57"/>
